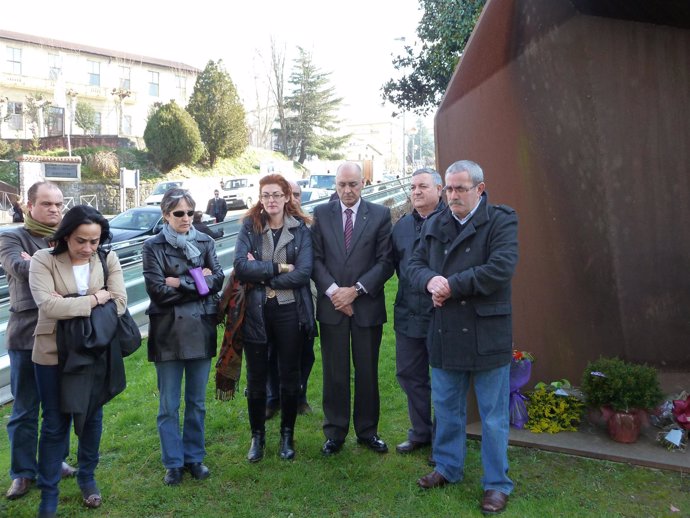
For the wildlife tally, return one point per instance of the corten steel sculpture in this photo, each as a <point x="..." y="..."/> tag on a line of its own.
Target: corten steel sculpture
<point x="579" y="113"/>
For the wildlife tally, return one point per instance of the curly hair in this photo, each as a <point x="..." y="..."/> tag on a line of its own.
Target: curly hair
<point x="256" y="213"/>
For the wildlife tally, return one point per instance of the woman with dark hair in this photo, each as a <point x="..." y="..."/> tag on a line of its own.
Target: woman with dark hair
<point x="183" y="276"/>
<point x="68" y="282"/>
<point x="273" y="255"/>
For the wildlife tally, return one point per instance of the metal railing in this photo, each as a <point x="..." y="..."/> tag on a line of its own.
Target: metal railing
<point x="392" y="194"/>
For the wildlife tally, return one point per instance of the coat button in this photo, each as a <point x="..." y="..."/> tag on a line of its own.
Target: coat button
<point x="467" y="249"/>
<point x="463" y="302"/>
<point x="464" y="330"/>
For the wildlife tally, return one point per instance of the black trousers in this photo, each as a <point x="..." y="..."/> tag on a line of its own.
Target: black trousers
<point x="336" y="343"/>
<point x="285" y="335"/>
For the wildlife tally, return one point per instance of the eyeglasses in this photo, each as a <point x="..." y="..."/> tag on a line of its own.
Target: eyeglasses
<point x="181" y="213"/>
<point x="275" y="196"/>
<point x="449" y="189"/>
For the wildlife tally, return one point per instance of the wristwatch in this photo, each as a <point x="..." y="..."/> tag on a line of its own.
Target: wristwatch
<point x="359" y="289"/>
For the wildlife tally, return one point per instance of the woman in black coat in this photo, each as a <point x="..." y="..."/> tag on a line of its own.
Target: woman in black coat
<point x="182" y="331"/>
<point x="273" y="255"/>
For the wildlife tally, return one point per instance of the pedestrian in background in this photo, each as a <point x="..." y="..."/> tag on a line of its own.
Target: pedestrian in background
<point x="217" y="207"/>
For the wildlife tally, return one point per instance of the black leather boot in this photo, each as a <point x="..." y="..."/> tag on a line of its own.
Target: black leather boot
<point x="257" y="418"/>
<point x="256" y="448"/>
<point x="287" y="444"/>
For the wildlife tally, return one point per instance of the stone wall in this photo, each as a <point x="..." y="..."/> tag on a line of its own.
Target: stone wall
<point x="104" y="196"/>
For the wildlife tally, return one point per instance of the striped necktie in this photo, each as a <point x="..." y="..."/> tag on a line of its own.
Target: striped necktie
<point x="348" y="228"/>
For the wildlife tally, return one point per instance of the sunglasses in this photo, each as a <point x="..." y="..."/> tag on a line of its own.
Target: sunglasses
<point x="181" y="213"/>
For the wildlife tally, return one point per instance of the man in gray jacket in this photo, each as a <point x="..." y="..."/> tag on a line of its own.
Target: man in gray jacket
<point x="44" y="213"/>
<point x="413" y="310"/>
<point x="465" y="260"/>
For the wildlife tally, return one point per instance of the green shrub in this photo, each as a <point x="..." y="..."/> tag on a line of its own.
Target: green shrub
<point x="172" y="137"/>
<point x="621" y="385"/>
<point x="552" y="413"/>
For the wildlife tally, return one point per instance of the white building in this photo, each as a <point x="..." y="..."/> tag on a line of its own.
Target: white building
<point x="121" y="87"/>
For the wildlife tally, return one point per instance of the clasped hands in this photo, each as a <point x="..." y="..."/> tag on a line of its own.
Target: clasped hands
<point x="342" y="299"/>
<point x="439" y="288"/>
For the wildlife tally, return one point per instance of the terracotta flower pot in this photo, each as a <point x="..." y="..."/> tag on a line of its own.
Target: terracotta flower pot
<point x="599" y="416"/>
<point x="624" y="426"/>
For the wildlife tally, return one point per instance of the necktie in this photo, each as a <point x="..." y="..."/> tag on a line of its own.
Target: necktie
<point x="348" y="228"/>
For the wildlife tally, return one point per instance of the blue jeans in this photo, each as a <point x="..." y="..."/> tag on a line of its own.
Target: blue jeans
<point x="22" y="428"/>
<point x="178" y="450"/>
<point x="55" y="429"/>
<point x="449" y="394"/>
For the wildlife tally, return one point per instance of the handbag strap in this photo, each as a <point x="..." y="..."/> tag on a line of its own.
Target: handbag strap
<point x="102" y="254"/>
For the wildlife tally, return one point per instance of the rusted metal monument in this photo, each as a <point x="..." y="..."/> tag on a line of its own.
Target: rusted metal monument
<point x="579" y="113"/>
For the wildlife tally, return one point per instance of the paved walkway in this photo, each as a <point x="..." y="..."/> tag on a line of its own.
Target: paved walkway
<point x="593" y="441"/>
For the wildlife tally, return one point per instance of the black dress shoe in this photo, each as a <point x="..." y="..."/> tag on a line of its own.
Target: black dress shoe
<point x="410" y="446"/>
<point x="67" y="471"/>
<point x="374" y="443"/>
<point x="20" y="486"/>
<point x="173" y="476"/>
<point x="197" y="470"/>
<point x="331" y="446"/>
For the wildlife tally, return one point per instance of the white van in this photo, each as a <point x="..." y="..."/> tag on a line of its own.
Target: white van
<point x="201" y="190"/>
<point x="240" y="191"/>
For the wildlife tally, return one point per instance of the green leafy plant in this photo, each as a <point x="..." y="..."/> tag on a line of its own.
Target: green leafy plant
<point x="552" y="413"/>
<point x="621" y="385"/>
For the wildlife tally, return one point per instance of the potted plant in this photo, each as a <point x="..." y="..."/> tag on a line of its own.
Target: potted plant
<point x="623" y="391"/>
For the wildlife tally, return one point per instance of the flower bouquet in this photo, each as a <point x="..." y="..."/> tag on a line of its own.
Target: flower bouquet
<point x="520" y="371"/>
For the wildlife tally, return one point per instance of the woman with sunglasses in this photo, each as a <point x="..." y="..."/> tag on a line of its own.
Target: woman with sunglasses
<point x="273" y="255"/>
<point x="182" y="330"/>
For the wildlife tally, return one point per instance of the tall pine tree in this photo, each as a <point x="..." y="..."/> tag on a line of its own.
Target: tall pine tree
<point x="217" y="110"/>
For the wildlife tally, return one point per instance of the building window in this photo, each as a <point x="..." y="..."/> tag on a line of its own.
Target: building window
<point x="16" y="119"/>
<point x="127" y="125"/>
<point x="14" y="60"/>
<point x="153" y="83"/>
<point x="125" y="75"/>
<point x="94" y="73"/>
<point x="181" y="87"/>
<point x="54" y="66"/>
<point x="97" y="123"/>
<point x="56" y="121"/>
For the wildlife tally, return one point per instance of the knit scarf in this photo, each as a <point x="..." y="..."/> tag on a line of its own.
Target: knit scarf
<point x="182" y="241"/>
<point x="229" y="363"/>
<point x="36" y="228"/>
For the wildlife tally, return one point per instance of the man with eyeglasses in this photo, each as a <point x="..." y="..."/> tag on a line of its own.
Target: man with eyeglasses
<point x="412" y="310"/>
<point x="352" y="262"/>
<point x="465" y="260"/>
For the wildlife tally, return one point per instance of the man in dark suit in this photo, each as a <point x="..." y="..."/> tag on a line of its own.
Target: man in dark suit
<point x="217" y="207"/>
<point x="352" y="261"/>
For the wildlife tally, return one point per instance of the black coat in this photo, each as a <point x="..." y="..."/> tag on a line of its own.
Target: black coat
<point x="261" y="273"/>
<point x="473" y="329"/>
<point x="182" y="323"/>
<point x="413" y="307"/>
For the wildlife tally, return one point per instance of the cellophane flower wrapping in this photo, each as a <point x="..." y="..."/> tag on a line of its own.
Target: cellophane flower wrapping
<point x="520" y="372"/>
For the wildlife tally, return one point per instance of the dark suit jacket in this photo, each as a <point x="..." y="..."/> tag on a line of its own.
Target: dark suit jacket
<point x="368" y="261"/>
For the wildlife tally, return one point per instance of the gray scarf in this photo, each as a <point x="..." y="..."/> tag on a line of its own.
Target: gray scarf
<point x="183" y="241"/>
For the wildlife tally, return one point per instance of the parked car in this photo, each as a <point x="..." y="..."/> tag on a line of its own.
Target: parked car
<point x="309" y="194"/>
<point x="136" y="222"/>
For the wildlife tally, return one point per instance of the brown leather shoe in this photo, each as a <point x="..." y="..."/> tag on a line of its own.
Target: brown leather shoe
<point x="20" y="486"/>
<point x="67" y="471"/>
<point x="432" y="480"/>
<point x="494" y="502"/>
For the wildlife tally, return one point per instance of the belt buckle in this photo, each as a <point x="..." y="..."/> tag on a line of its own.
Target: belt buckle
<point x="270" y="293"/>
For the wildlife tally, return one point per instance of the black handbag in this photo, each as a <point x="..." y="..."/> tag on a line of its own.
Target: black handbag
<point x="128" y="333"/>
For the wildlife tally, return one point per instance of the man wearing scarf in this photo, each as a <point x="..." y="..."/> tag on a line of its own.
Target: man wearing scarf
<point x="44" y="213"/>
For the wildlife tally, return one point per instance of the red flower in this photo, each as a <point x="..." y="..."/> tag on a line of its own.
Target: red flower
<point x="681" y="411"/>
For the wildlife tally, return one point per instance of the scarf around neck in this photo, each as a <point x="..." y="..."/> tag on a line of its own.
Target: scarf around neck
<point x="36" y="228"/>
<point x="183" y="241"/>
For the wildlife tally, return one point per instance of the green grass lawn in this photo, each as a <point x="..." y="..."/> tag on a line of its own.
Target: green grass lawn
<point x="356" y="482"/>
